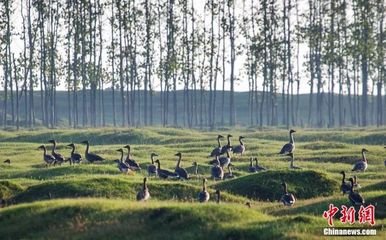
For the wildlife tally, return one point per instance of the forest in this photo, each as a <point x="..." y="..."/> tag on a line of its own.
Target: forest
<point x="185" y="63"/>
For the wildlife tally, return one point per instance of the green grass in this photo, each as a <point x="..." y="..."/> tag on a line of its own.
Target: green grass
<point x="96" y="201"/>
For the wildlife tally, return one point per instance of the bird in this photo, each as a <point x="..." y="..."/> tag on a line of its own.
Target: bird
<point x="258" y="167"/>
<point x="181" y="172"/>
<point x="91" y="157"/>
<point x="123" y="167"/>
<point x="292" y="161"/>
<point x="361" y="165"/>
<point x="354" y="197"/>
<point x="8" y="161"/>
<point x="251" y="167"/>
<point x="229" y="174"/>
<point x="203" y="196"/>
<point x="49" y="159"/>
<point x="218" y="196"/>
<point x="163" y="173"/>
<point x="239" y="149"/>
<point x="217" y="151"/>
<point x="289" y="147"/>
<point x="195" y="164"/>
<point x="59" y="159"/>
<point x="152" y="168"/>
<point x="345" y="186"/>
<point x="217" y="171"/>
<point x="228" y="146"/>
<point x="143" y="194"/>
<point x="288" y="199"/>
<point x="356" y="184"/>
<point x="75" y="157"/>
<point x="131" y="162"/>
<point x="224" y="161"/>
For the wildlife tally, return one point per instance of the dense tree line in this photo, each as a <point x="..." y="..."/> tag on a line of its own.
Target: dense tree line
<point x="120" y="60"/>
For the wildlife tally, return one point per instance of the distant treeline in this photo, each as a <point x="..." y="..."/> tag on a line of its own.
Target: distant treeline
<point x="134" y="47"/>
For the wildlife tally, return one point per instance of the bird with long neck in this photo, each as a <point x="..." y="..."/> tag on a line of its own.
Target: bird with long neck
<point x="59" y="159"/>
<point x="181" y="172"/>
<point x="289" y="147"/>
<point x="144" y="193"/>
<point x="75" y="157"/>
<point x="217" y="151"/>
<point x="292" y="166"/>
<point x="49" y="159"/>
<point x="240" y="149"/>
<point x="354" y="197"/>
<point x="121" y="165"/>
<point x="152" y="168"/>
<point x="163" y="173"/>
<point x="251" y="167"/>
<point x="203" y="196"/>
<point x="361" y="165"/>
<point x="227" y="147"/>
<point x="258" y="167"/>
<point x="91" y="157"/>
<point x="229" y="174"/>
<point x="216" y="170"/>
<point x="224" y="161"/>
<point x="345" y="186"/>
<point x="131" y="162"/>
<point x="195" y="165"/>
<point x="288" y="199"/>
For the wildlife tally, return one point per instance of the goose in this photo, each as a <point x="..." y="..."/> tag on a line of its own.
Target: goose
<point x="7" y="161"/>
<point x="143" y="194"/>
<point x="91" y="157"/>
<point x="292" y="166"/>
<point x="59" y="159"/>
<point x="228" y="146"/>
<point x="131" y="162"/>
<point x="49" y="159"/>
<point x="251" y="167"/>
<point x="163" y="173"/>
<point x="356" y="184"/>
<point x="152" y="168"/>
<point x="195" y="164"/>
<point x="345" y="186"/>
<point x="75" y="157"/>
<point x="224" y="161"/>
<point x="258" y="167"/>
<point x="181" y="172"/>
<point x="354" y="197"/>
<point x="203" y="196"/>
<point x="229" y="174"/>
<point x="217" y="151"/>
<point x="289" y="147"/>
<point x="217" y="171"/>
<point x="361" y="165"/>
<point x="288" y="199"/>
<point x="123" y="167"/>
<point x="240" y="149"/>
<point x="218" y="196"/>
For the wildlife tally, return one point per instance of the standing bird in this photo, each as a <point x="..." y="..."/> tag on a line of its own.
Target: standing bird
<point x="217" y="150"/>
<point x="8" y="161"/>
<point x="251" y="167"/>
<point x="59" y="159"/>
<point x="195" y="164"/>
<point x="240" y="149"/>
<point x="292" y="161"/>
<point x="289" y="147"/>
<point x="49" y="159"/>
<point x="143" y="194"/>
<point x="345" y="186"/>
<point x="91" y="157"/>
<point x="152" y="168"/>
<point x="354" y="197"/>
<point x="75" y="157"/>
<point x="361" y="165"/>
<point x="218" y="196"/>
<point x="258" y="167"/>
<point x="229" y="174"/>
<point x="163" y="173"/>
<point x="131" y="162"/>
<point x="224" y="161"/>
<point x="288" y="199"/>
<point x="181" y="172"/>
<point x="217" y="171"/>
<point x="123" y="167"/>
<point x="227" y="147"/>
<point x="356" y="184"/>
<point x="203" y="196"/>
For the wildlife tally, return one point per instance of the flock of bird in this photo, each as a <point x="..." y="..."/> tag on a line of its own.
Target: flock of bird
<point x="222" y="159"/>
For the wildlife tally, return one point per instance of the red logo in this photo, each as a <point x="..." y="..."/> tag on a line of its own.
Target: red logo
<point x="365" y="214"/>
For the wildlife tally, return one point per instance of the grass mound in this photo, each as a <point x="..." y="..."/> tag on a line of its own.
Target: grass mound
<point x="9" y="189"/>
<point x="267" y="185"/>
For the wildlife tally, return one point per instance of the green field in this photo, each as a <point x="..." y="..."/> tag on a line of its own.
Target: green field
<point x="96" y="201"/>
